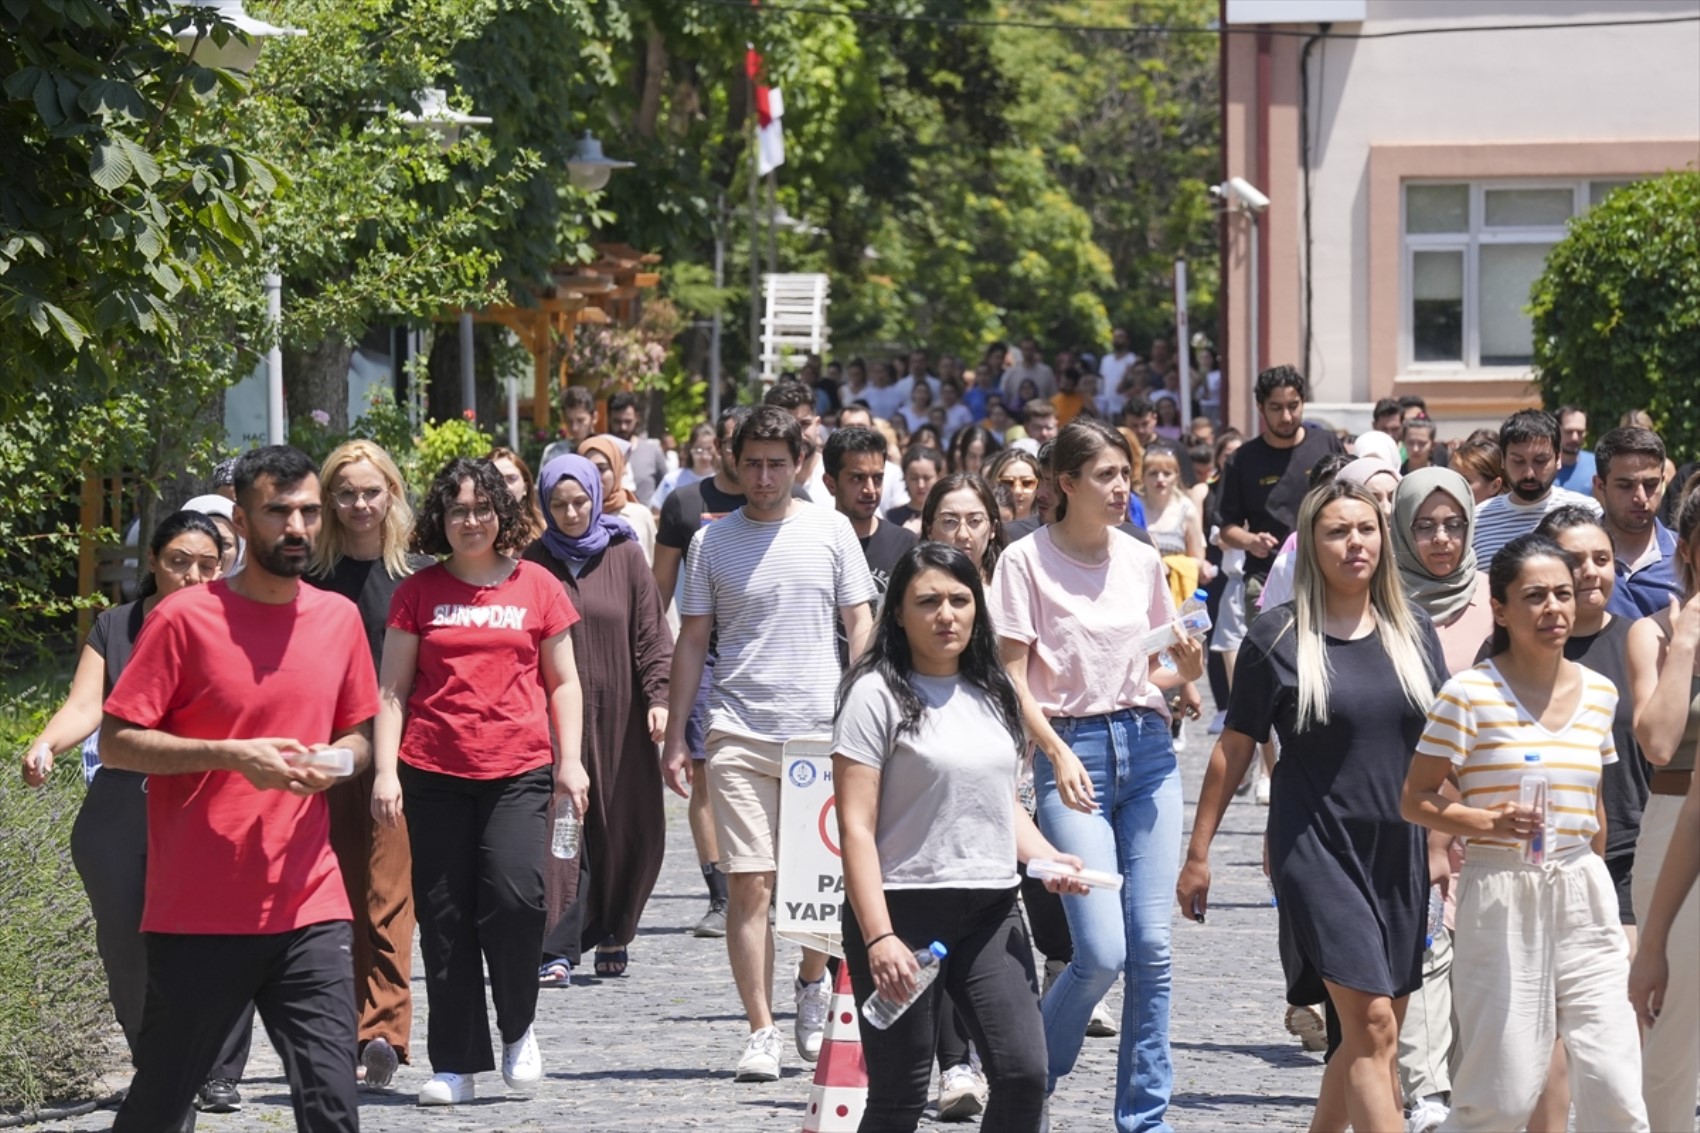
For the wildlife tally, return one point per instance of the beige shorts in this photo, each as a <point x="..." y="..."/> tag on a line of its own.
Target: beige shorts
<point x="743" y="780"/>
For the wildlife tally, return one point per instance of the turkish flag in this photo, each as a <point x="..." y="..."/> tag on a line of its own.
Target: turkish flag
<point x="769" y="108"/>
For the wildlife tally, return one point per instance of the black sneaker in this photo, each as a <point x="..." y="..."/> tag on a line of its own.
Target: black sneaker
<point x="219" y="1095"/>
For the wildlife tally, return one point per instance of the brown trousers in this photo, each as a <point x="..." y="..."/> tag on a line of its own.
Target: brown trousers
<point x="377" y="870"/>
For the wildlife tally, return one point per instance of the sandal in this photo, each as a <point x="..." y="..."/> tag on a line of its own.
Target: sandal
<point x="611" y="961"/>
<point x="556" y="973"/>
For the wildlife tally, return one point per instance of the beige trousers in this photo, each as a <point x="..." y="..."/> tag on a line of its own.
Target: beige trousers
<point x="1540" y="955"/>
<point x="1670" y="1058"/>
<point x="1425" y="1041"/>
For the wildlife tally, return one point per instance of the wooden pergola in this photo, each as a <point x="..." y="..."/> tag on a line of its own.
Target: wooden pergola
<point x="609" y="289"/>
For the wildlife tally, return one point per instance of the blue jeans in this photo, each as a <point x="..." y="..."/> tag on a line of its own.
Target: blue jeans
<point x="1137" y="833"/>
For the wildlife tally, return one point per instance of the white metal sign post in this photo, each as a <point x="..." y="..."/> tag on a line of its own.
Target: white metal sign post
<point x="809" y="888"/>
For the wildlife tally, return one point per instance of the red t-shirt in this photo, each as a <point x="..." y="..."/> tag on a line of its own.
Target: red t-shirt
<point x="478" y="709"/>
<point x="223" y="856"/>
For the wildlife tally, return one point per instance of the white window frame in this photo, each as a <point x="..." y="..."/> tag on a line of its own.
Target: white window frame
<point x="1470" y="242"/>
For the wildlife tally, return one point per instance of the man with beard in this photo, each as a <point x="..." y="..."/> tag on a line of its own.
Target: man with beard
<point x="855" y="474"/>
<point x="1528" y="450"/>
<point x="1631" y="485"/>
<point x="1576" y="468"/>
<point x="230" y="689"/>
<point x="1266" y="478"/>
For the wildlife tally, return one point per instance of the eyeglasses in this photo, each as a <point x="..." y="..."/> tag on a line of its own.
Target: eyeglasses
<point x="702" y="452"/>
<point x="1424" y="529"/>
<point x="1027" y="482"/>
<point x="348" y="497"/>
<point x="461" y="516"/>
<point x="950" y="524"/>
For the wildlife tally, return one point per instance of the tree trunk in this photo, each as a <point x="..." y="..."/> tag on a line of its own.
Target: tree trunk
<point x="315" y="377"/>
<point x="654" y="75"/>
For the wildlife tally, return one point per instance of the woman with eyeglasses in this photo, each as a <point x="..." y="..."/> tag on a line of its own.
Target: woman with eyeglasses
<point x="623" y="649"/>
<point x="1540" y="954"/>
<point x="109" y="841"/>
<point x="361" y="553"/>
<point x="1017" y="471"/>
<point x="477" y="678"/>
<point x="697" y="465"/>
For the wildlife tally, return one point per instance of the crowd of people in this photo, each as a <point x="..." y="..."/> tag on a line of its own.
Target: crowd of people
<point x="959" y="578"/>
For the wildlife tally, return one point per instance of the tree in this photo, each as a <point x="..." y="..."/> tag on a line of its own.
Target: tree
<point x="1617" y="310"/>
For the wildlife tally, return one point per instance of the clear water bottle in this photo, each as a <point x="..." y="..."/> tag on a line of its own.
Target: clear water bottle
<point x="1194" y="621"/>
<point x="1436" y="914"/>
<point x="564" y="844"/>
<point x="883" y="1012"/>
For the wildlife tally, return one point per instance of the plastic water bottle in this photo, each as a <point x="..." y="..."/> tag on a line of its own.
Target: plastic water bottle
<point x="1194" y="621"/>
<point x="1436" y="914"/>
<point x="339" y="761"/>
<point x="1532" y="792"/>
<point x="883" y="1012"/>
<point x="564" y="844"/>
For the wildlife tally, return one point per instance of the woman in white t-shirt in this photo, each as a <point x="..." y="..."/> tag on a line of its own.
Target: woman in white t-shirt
<point x="926" y="745"/>
<point x="1072" y="605"/>
<point x="1538" y="950"/>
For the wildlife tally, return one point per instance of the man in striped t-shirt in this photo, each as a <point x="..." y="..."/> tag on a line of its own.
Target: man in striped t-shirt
<point x="1478" y="725"/>
<point x="1528" y="449"/>
<point x="770" y="579"/>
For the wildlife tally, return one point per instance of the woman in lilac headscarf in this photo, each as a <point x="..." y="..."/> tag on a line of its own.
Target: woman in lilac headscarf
<point x="623" y="649"/>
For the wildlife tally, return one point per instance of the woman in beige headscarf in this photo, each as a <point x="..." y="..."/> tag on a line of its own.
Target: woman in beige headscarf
<point x="605" y="452"/>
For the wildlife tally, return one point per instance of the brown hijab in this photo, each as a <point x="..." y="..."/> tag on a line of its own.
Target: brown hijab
<point x="610" y="449"/>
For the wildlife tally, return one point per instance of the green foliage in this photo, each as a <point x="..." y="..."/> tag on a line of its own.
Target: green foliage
<point x="1617" y="310"/>
<point x="439" y="444"/>
<point x="683" y="400"/>
<point x="55" y="1021"/>
<point x="115" y="199"/>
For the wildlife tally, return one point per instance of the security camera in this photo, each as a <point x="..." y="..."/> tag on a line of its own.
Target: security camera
<point x="1241" y="192"/>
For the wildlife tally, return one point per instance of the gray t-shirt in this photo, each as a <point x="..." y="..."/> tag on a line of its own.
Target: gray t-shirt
<point x="947" y="789"/>
<point x="774" y="590"/>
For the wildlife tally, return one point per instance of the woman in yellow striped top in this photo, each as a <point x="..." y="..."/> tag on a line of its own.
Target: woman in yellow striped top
<point x="1539" y="953"/>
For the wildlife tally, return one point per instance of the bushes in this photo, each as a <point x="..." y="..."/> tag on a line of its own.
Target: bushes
<point x="1617" y="310"/>
<point x="56" y="1027"/>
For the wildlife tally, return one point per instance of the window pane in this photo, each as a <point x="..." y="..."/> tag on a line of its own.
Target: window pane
<point x="1437" y="208"/>
<point x="1508" y="271"/>
<point x="1528" y="208"/>
<point x="1437" y="306"/>
<point x="1599" y="190"/>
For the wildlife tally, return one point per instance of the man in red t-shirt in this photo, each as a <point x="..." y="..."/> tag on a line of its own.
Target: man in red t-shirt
<point x="230" y="686"/>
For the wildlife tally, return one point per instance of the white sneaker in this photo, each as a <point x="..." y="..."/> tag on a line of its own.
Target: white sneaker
<point x="522" y="1062"/>
<point x="962" y="1093"/>
<point x="813" y="1002"/>
<point x="1426" y="1115"/>
<point x="761" y="1057"/>
<point x="446" y="1089"/>
<point x="1102" y="1024"/>
<point x="1307" y="1025"/>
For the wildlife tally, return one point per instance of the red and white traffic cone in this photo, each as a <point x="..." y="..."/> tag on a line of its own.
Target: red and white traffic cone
<point x="840" y="1091"/>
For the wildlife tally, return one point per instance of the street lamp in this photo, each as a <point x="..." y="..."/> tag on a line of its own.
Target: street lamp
<point x="589" y="168"/>
<point x="435" y="114"/>
<point x="239" y="52"/>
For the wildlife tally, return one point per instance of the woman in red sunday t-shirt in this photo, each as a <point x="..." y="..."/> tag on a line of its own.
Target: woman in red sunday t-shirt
<point x="478" y="664"/>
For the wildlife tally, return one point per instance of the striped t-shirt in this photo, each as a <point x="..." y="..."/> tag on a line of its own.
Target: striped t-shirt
<point x="774" y="590"/>
<point x="1503" y="518"/>
<point x="1478" y="724"/>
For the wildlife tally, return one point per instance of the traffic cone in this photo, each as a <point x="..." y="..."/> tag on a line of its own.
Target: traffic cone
<point x="840" y="1091"/>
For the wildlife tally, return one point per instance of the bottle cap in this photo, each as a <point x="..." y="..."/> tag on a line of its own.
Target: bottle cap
<point x="1531" y="757"/>
<point x="938" y="950"/>
<point x="1201" y="594"/>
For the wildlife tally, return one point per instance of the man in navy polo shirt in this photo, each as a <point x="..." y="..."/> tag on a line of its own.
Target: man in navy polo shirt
<point x="1630" y="483"/>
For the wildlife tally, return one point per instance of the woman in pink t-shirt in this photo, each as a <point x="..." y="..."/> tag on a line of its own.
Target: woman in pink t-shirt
<point x="1071" y="606"/>
<point x="478" y="694"/>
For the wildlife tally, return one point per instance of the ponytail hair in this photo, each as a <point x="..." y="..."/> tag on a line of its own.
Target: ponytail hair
<point x="1508" y="566"/>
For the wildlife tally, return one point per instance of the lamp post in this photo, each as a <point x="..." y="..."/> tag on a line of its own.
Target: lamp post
<point x="589" y="168"/>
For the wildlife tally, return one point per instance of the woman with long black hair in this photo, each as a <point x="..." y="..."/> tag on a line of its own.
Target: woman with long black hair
<point x="1539" y="951"/>
<point x="926" y="745"/>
